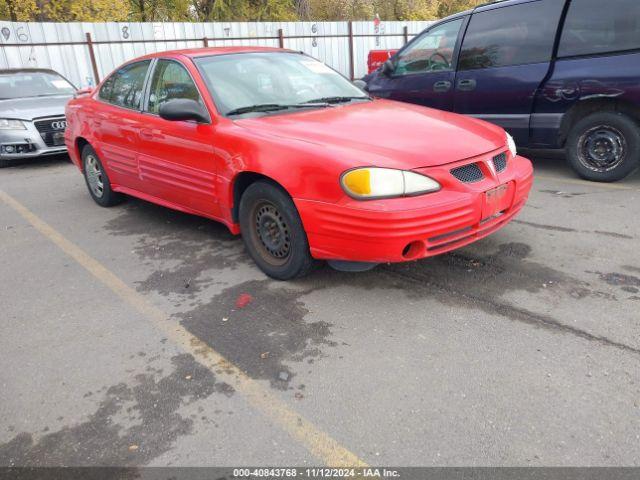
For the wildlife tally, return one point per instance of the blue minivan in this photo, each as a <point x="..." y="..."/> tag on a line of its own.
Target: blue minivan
<point x="556" y="74"/>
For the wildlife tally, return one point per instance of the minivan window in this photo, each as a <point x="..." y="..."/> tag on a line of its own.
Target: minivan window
<point x="171" y="81"/>
<point x="515" y="35"/>
<point x="432" y="51"/>
<point x="595" y="27"/>
<point x="124" y="87"/>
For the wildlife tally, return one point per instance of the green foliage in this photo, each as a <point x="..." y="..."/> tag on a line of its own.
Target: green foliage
<point x="227" y="10"/>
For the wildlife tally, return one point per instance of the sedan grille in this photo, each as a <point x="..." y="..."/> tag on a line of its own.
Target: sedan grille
<point x="52" y="130"/>
<point x="500" y="162"/>
<point x="468" y="173"/>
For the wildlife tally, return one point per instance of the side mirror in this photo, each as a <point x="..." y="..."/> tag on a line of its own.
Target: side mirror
<point x="388" y="67"/>
<point x="183" y="109"/>
<point x="361" y="84"/>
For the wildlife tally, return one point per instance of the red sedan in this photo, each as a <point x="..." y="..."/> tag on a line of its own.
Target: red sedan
<point x="281" y="148"/>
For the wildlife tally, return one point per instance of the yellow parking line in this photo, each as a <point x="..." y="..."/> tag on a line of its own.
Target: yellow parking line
<point x="317" y="442"/>
<point x="586" y="183"/>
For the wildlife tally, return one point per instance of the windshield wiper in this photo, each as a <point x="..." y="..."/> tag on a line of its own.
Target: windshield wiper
<point x="337" y="99"/>
<point x="274" y="107"/>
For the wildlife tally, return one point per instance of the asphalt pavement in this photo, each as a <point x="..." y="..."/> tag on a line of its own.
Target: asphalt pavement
<point x="138" y="335"/>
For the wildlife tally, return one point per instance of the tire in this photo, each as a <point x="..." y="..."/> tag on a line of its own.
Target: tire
<point x="97" y="180"/>
<point x="604" y="147"/>
<point x="273" y="233"/>
<point x="5" y="163"/>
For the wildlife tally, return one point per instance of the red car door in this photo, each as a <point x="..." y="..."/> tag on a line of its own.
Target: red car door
<point x="176" y="159"/>
<point x="116" y="122"/>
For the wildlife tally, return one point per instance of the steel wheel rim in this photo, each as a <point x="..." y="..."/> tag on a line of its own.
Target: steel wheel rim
<point x="94" y="176"/>
<point x="270" y="233"/>
<point x="602" y="148"/>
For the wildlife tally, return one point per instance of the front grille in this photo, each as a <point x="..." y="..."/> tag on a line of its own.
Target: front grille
<point x="468" y="173"/>
<point x="50" y="131"/>
<point x="500" y="162"/>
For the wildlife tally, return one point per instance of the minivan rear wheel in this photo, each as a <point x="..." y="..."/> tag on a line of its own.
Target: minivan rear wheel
<point x="604" y="147"/>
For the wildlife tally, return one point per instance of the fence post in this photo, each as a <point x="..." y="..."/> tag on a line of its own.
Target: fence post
<point x="352" y="67"/>
<point x="92" y="57"/>
<point x="405" y="33"/>
<point x="280" y="38"/>
<point x="205" y="42"/>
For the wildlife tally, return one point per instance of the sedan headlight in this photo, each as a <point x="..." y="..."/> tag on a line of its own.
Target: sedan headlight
<point x="7" y="124"/>
<point x="512" y="145"/>
<point x="372" y="182"/>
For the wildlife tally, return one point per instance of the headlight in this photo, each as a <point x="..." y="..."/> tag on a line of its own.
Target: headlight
<point x="512" y="145"/>
<point x="6" y="124"/>
<point x="371" y="182"/>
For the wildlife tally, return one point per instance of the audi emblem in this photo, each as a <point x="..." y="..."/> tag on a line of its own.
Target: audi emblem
<point x="61" y="125"/>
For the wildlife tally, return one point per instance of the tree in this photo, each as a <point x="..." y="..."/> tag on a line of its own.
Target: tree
<point x="18" y="10"/>
<point x="228" y="10"/>
<point x="85" y="10"/>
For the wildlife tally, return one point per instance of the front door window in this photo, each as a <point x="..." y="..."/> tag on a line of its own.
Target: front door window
<point x="431" y="52"/>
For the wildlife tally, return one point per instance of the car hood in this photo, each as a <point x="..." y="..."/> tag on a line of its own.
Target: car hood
<point x="33" y="107"/>
<point x="385" y="133"/>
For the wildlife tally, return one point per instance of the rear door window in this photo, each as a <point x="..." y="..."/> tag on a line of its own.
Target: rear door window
<point x="595" y="27"/>
<point x="515" y="35"/>
<point x="124" y="87"/>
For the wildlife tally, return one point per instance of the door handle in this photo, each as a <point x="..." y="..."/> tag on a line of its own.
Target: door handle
<point x="442" y="86"/>
<point x="467" y="85"/>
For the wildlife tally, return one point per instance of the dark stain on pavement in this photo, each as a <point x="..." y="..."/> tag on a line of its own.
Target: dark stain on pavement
<point x="556" y="228"/>
<point x="542" y="226"/>
<point x="267" y="335"/>
<point x="262" y="335"/>
<point x="151" y="405"/>
<point x="619" y="279"/>
<point x="562" y="194"/>
<point x="478" y="281"/>
<point x="180" y="247"/>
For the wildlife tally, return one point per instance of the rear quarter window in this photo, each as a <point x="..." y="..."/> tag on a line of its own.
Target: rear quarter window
<point x="596" y="27"/>
<point x="514" y="35"/>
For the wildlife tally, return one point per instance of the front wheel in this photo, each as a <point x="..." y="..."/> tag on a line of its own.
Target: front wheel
<point x="97" y="179"/>
<point x="604" y="147"/>
<point x="273" y="233"/>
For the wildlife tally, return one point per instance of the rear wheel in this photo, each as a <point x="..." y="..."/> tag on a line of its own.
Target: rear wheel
<point x="97" y="179"/>
<point x="273" y="233"/>
<point x="604" y="147"/>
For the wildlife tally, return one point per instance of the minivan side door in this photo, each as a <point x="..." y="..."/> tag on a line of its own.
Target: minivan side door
<point x="504" y="59"/>
<point x="423" y="70"/>
<point x="598" y="61"/>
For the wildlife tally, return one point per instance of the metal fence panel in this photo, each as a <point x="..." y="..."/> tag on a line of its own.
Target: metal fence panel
<point x="30" y="44"/>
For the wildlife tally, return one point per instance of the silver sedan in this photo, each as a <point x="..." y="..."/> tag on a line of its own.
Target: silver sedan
<point x="32" y="120"/>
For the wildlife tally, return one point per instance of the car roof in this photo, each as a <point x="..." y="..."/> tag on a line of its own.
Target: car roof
<point x="209" y="51"/>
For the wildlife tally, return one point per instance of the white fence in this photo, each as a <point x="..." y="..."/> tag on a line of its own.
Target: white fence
<point x="67" y="48"/>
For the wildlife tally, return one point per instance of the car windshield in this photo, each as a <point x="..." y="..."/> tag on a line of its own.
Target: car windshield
<point x="268" y="82"/>
<point x="33" y="84"/>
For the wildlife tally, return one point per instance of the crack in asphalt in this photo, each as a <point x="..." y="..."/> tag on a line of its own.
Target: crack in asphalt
<point x="556" y="228"/>
<point x="512" y="312"/>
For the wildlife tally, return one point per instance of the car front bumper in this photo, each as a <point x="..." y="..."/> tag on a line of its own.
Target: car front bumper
<point x="405" y="229"/>
<point x="29" y="143"/>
